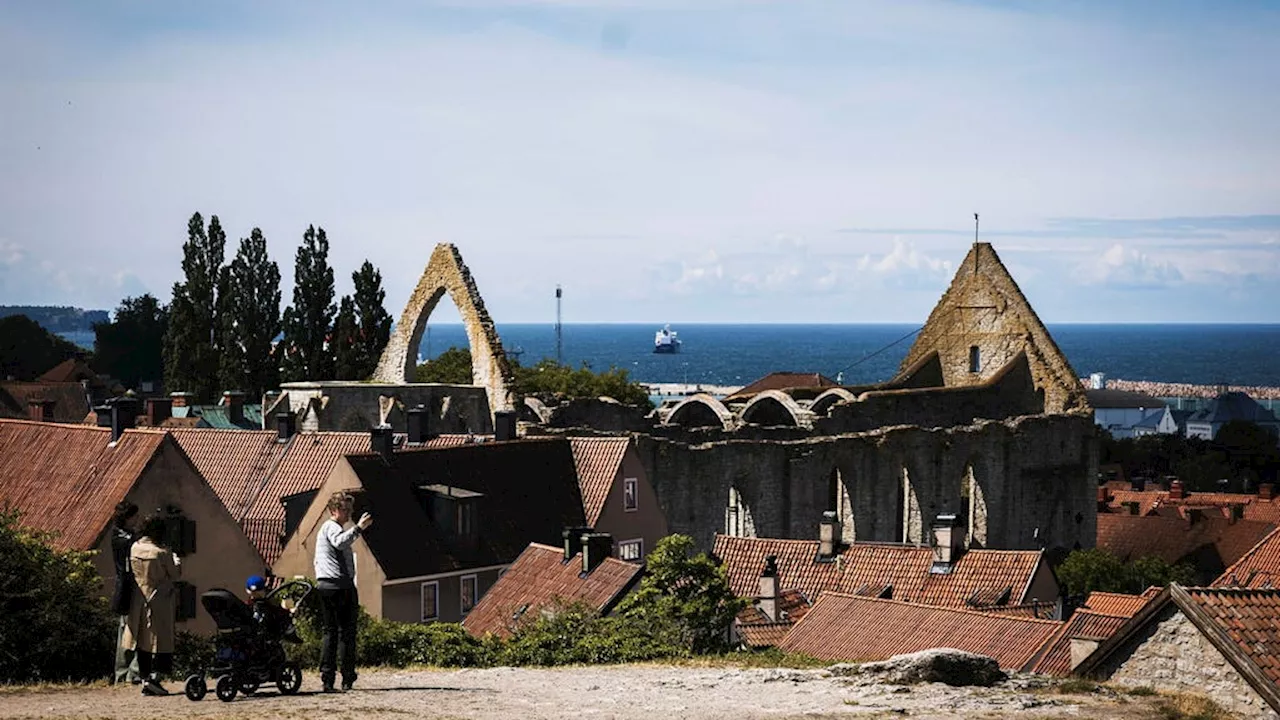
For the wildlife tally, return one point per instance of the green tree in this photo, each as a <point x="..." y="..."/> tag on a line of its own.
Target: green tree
<point x="1251" y="451"/>
<point x="130" y="347"/>
<point x="374" y="324"/>
<point x="309" y="320"/>
<point x="251" y="319"/>
<point x="1086" y="571"/>
<point x="693" y="590"/>
<point x="53" y="616"/>
<point x="346" y="342"/>
<point x="28" y="350"/>
<point x="191" y="352"/>
<point x="451" y="367"/>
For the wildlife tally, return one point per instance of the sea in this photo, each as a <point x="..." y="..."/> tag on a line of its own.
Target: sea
<point x="734" y="355"/>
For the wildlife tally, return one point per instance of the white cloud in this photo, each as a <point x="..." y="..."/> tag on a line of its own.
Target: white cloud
<point x="11" y="253"/>
<point x="905" y="259"/>
<point x="1127" y="267"/>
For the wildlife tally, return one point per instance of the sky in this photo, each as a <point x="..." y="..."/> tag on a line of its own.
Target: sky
<point x="663" y="161"/>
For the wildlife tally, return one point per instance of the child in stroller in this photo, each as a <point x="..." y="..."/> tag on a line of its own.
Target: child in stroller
<point x="250" y="640"/>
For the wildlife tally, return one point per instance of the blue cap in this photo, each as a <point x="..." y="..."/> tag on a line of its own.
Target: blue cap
<point x="255" y="583"/>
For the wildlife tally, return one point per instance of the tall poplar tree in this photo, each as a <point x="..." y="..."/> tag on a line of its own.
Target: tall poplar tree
<point x="309" y="320"/>
<point x="374" y="324"/>
<point x="346" y="345"/>
<point x="251" y="319"/>
<point x="191" y="350"/>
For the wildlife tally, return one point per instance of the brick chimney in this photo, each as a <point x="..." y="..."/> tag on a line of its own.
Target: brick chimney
<point x="284" y="426"/>
<point x="1266" y="491"/>
<point x="158" y="410"/>
<point x="948" y="541"/>
<point x="596" y="546"/>
<point x="382" y="441"/>
<point x="40" y="410"/>
<point x="828" y="536"/>
<point x="769" y="594"/>
<point x="234" y="400"/>
<point x="418" y="425"/>
<point x="124" y="413"/>
<point x="1175" y="490"/>
<point x="1104" y="497"/>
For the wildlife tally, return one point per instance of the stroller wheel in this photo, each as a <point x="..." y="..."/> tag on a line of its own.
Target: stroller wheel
<point x="226" y="688"/>
<point x="195" y="689"/>
<point x="289" y="679"/>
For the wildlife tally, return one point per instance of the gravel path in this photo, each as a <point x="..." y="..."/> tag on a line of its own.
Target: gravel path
<point x="651" y="692"/>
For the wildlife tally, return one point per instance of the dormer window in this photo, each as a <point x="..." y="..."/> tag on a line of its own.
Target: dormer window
<point x="453" y="509"/>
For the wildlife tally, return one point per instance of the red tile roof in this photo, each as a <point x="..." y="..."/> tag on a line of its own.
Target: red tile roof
<point x="757" y="630"/>
<point x="70" y="402"/>
<point x="783" y="381"/>
<point x="1257" y="568"/>
<point x="71" y="370"/>
<point x="541" y="577"/>
<point x="1106" y="603"/>
<point x="598" y="461"/>
<point x="1250" y="618"/>
<point x="861" y="629"/>
<point x="978" y="574"/>
<point x="234" y="462"/>
<point x="764" y="635"/>
<point x="1055" y="657"/>
<point x="1255" y="507"/>
<point x="1177" y="537"/>
<point x="67" y="479"/>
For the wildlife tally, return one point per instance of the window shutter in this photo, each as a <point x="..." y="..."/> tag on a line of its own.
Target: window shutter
<point x="186" y="600"/>
<point x="188" y="537"/>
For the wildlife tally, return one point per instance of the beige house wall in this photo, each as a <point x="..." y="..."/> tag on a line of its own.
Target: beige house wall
<point x="647" y="522"/>
<point x="1173" y="655"/>
<point x="224" y="557"/>
<point x="402" y="601"/>
<point x="298" y="555"/>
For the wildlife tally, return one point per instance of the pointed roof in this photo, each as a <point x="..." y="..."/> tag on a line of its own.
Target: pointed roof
<point x="598" y="461"/>
<point x="984" y="307"/>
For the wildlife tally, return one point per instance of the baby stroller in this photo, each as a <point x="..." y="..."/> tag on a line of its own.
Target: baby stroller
<point x="250" y="643"/>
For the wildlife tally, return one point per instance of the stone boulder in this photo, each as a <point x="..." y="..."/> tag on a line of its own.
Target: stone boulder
<point x="943" y="665"/>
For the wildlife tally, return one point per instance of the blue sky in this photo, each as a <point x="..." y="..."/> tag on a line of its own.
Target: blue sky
<point x="664" y="161"/>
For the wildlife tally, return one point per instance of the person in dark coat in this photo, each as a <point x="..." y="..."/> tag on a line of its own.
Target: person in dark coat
<point x="122" y="537"/>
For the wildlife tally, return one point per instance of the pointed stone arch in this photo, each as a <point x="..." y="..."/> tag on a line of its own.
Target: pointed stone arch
<point x="823" y="403"/>
<point x="911" y="525"/>
<point x="775" y="408"/>
<point x="973" y="493"/>
<point x="701" y="410"/>
<point x="840" y="501"/>
<point x="445" y="272"/>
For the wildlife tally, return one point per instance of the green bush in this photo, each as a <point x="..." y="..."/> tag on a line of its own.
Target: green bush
<point x="192" y="653"/>
<point x="54" y="620"/>
<point x="1086" y="571"/>
<point x="574" y="633"/>
<point x="393" y="644"/>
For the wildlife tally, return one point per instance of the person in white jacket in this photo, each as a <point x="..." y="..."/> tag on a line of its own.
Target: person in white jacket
<point x="335" y="567"/>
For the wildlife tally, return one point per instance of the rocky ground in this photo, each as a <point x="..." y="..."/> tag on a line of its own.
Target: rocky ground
<point x="652" y="692"/>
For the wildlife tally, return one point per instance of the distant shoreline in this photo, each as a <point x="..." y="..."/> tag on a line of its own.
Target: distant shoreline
<point x="1146" y="387"/>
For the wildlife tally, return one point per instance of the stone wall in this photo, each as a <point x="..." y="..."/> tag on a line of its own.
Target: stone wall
<point x="1173" y="655"/>
<point x="1036" y="474"/>
<point x="353" y="406"/>
<point x="984" y="308"/>
<point x="446" y="272"/>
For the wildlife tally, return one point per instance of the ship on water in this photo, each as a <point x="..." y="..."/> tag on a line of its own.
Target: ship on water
<point x="665" y="341"/>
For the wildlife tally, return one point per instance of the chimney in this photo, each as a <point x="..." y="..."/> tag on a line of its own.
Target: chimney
<point x="1104" y="496"/>
<point x="828" y="536"/>
<point x="948" y="540"/>
<point x="1138" y="484"/>
<point x="1175" y="490"/>
<point x="596" y="546"/>
<point x="40" y="410"/>
<point x="416" y="419"/>
<point x="157" y="411"/>
<point x="103" y="413"/>
<point x="573" y="540"/>
<point x="768" y="599"/>
<point x="504" y="425"/>
<point x="284" y="426"/>
<point x="124" y="412"/>
<point x="1266" y="491"/>
<point x="234" y="400"/>
<point x="180" y="399"/>
<point x="381" y="441"/>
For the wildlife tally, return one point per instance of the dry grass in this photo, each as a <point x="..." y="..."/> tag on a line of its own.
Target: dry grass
<point x="1191" y="707"/>
<point x="1074" y="686"/>
<point x="7" y="689"/>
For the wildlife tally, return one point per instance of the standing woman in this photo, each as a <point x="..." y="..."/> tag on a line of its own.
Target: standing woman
<point x="155" y="569"/>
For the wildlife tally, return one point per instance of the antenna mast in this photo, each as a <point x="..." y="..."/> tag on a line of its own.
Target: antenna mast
<point x="975" y="243"/>
<point x="559" y="331"/>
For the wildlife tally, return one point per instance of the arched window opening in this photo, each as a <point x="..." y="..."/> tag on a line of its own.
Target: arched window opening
<point x="737" y="516"/>
<point x="840" y="502"/>
<point x="912" y="526"/>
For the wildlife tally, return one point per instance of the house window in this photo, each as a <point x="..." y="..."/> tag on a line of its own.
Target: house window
<point x="464" y="524"/>
<point x="630" y="494"/>
<point x="975" y="359"/>
<point x="631" y="550"/>
<point x="468" y="593"/>
<point x="430" y="601"/>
